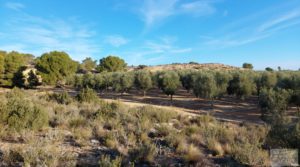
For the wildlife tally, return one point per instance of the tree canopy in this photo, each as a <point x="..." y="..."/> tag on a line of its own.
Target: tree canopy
<point x="170" y="82"/>
<point x="55" y="66"/>
<point x="87" y="65"/>
<point x="111" y="64"/>
<point x="248" y="66"/>
<point x="143" y="80"/>
<point x="10" y="64"/>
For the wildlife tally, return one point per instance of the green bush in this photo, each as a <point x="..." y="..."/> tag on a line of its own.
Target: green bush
<point x="87" y="95"/>
<point x="19" y="113"/>
<point x="61" y="98"/>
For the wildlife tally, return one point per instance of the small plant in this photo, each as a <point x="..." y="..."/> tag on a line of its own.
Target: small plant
<point x="61" y="98"/>
<point x="87" y="95"/>
<point x="193" y="154"/>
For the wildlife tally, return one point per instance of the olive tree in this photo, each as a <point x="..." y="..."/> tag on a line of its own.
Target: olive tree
<point x="222" y="79"/>
<point x="169" y="83"/>
<point x="143" y="81"/>
<point x="186" y="78"/>
<point x="123" y="82"/>
<point x="241" y="85"/>
<point x="205" y="86"/>
<point x="273" y="104"/>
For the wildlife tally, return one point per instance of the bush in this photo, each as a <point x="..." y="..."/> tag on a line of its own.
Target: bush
<point x="87" y="95"/>
<point x="61" y="98"/>
<point x="19" y="113"/>
<point x="249" y="154"/>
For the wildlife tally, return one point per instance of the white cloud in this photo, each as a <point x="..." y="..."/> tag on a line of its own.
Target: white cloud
<point x="153" y="51"/>
<point x="155" y="11"/>
<point x="199" y="8"/>
<point x="38" y="35"/>
<point x="279" y="20"/>
<point x="116" y="40"/>
<point x="252" y="30"/>
<point x="14" y="6"/>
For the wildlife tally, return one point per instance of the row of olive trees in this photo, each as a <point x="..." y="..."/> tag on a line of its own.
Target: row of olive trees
<point x="204" y="84"/>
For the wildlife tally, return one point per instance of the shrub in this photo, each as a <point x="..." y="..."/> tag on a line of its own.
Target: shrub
<point x="20" y="113"/>
<point x="252" y="155"/>
<point x="87" y="95"/>
<point x="61" y="98"/>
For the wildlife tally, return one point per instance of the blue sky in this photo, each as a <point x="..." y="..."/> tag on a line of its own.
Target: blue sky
<point x="151" y="32"/>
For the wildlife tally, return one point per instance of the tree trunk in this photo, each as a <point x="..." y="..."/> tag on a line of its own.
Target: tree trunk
<point x="144" y="93"/>
<point x="212" y="104"/>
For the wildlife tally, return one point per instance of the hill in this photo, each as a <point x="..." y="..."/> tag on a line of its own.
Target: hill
<point x="188" y="66"/>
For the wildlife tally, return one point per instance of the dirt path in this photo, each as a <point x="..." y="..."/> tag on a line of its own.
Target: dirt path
<point x="226" y="109"/>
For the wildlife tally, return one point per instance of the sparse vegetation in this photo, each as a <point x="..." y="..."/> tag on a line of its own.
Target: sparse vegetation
<point x="77" y="128"/>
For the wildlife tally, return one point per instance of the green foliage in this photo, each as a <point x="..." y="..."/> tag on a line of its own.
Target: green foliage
<point x="273" y="104"/>
<point x="269" y="69"/>
<point x="87" y="95"/>
<point x="32" y="80"/>
<point x="55" y="66"/>
<point x="88" y="65"/>
<point x="111" y="64"/>
<point x="248" y="66"/>
<point x="88" y="81"/>
<point x="19" y="113"/>
<point x="186" y="78"/>
<point x="169" y="82"/>
<point x="241" y="85"/>
<point x="10" y="64"/>
<point x="122" y="82"/>
<point x="222" y="79"/>
<point x="205" y="85"/>
<point x="268" y="80"/>
<point x="2" y="63"/>
<point x="61" y="98"/>
<point x="143" y="81"/>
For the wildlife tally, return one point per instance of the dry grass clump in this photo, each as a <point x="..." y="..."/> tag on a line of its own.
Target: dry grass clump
<point x="216" y="147"/>
<point x="107" y="161"/>
<point x="192" y="154"/>
<point x="38" y="154"/>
